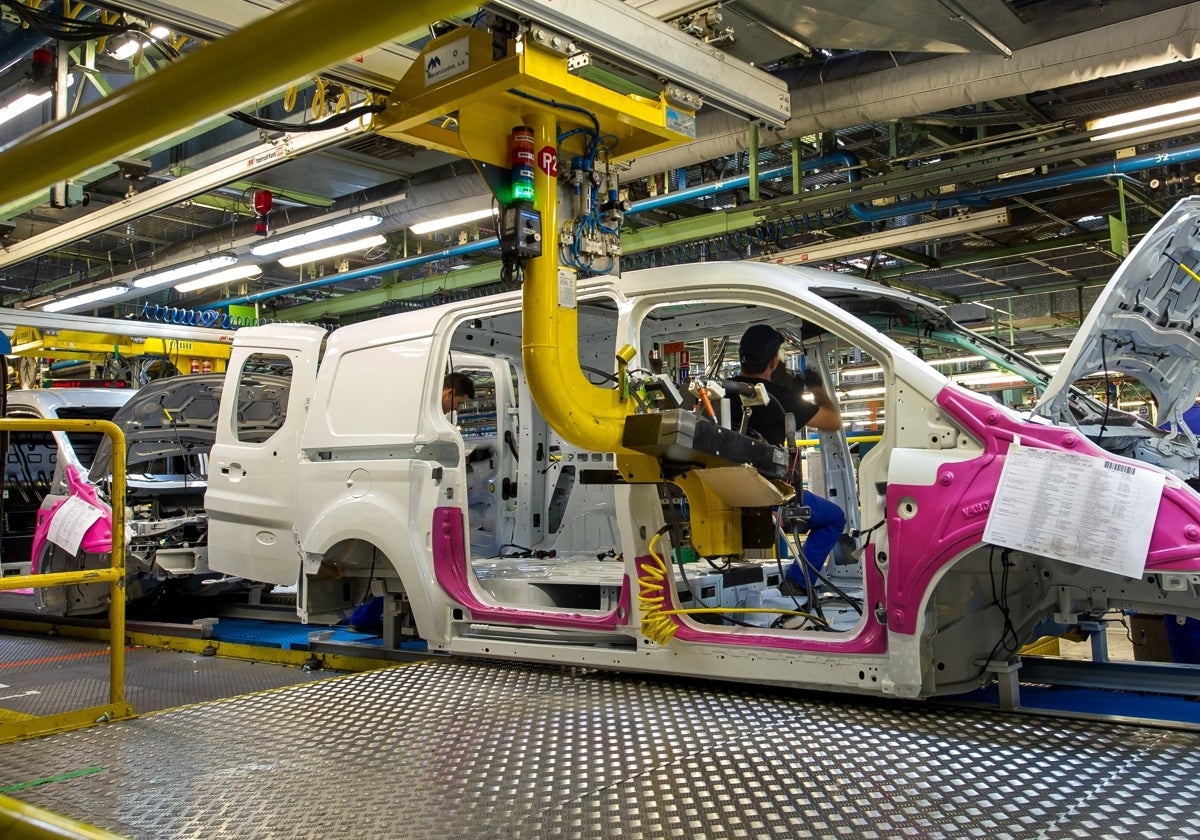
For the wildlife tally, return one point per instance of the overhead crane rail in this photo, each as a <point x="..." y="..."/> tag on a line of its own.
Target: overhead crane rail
<point x="82" y="338"/>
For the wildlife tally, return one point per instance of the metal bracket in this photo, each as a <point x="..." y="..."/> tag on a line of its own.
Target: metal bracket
<point x="660" y="49"/>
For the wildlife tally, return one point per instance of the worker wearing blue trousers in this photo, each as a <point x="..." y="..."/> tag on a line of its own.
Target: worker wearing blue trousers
<point x="760" y="361"/>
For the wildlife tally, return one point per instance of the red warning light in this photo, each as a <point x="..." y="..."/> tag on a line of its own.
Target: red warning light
<point x="262" y="206"/>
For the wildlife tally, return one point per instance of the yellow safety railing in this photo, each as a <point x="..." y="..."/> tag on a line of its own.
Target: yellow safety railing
<point x="19" y="819"/>
<point x="116" y="708"/>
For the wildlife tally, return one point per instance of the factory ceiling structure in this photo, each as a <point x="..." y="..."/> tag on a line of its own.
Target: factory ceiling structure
<point x="994" y="156"/>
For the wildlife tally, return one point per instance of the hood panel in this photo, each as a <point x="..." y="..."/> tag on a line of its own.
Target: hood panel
<point x="177" y="417"/>
<point x="1145" y="324"/>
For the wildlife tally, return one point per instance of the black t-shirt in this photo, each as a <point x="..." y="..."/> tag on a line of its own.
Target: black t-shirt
<point x="768" y="420"/>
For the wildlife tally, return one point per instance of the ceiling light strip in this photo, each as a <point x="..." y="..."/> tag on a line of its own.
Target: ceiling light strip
<point x="76" y="301"/>
<point x="170" y="275"/>
<point x="308" y="237"/>
<point x="257" y="159"/>
<point x="421" y="228"/>
<point x="966" y="223"/>
<point x="241" y="272"/>
<point x="292" y="260"/>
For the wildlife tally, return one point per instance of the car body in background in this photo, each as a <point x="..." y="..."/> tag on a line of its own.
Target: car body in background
<point x="35" y="462"/>
<point x="169" y="426"/>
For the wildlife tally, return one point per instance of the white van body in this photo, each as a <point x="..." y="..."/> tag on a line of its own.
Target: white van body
<point x="368" y="487"/>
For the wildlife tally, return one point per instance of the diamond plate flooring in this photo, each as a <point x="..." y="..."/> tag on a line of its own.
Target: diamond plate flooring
<point x="460" y="748"/>
<point x="40" y="676"/>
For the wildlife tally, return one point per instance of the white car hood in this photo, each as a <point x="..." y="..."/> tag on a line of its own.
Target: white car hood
<point x="1145" y="325"/>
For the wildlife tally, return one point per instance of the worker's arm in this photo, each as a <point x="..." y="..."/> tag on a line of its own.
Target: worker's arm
<point x="828" y="418"/>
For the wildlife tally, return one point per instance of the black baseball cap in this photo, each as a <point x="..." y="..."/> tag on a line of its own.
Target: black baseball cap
<point x="760" y="343"/>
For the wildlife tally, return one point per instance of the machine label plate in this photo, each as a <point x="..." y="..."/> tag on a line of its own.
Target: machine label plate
<point x="448" y="61"/>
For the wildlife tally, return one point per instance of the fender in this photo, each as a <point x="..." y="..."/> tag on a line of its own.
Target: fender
<point x="948" y="518"/>
<point x="372" y="520"/>
<point x="98" y="539"/>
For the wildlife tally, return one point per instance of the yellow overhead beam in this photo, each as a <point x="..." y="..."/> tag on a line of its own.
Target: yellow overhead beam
<point x="291" y="43"/>
<point x="74" y="344"/>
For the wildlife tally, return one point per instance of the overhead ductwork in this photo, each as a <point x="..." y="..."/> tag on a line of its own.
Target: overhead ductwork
<point x="940" y="84"/>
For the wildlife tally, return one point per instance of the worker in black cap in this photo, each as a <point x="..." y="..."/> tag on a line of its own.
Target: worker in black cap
<point x="760" y="362"/>
<point x="758" y="355"/>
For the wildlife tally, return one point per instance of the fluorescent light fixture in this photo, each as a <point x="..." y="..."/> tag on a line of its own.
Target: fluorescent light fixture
<point x="26" y="101"/>
<point x="332" y="251"/>
<point x="85" y="298"/>
<point x="127" y="50"/>
<point x="858" y="245"/>
<point x="1049" y="351"/>
<point x="240" y="272"/>
<point x="1160" y="116"/>
<point x="873" y="371"/>
<point x="954" y="360"/>
<point x="450" y="221"/>
<point x="22" y="104"/>
<point x="299" y="240"/>
<point x="130" y="47"/>
<point x="170" y="275"/>
<point x="866" y="392"/>
<point x="989" y="377"/>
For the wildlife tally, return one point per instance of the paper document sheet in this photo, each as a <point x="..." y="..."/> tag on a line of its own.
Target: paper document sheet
<point x="70" y="523"/>
<point x="1090" y="511"/>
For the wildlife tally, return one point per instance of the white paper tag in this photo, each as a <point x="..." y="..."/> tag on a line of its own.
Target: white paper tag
<point x="1089" y="511"/>
<point x="70" y="522"/>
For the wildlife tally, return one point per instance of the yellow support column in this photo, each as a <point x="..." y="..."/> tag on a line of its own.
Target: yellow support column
<point x="583" y="413"/>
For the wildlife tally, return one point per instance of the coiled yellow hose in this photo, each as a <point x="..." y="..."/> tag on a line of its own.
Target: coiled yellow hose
<point x="652" y="594"/>
<point x="657" y="625"/>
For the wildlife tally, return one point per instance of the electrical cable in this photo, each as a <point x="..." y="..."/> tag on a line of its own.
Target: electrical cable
<point x="699" y="599"/>
<point x="1000" y="600"/>
<point x="814" y="600"/>
<point x="1104" y="366"/>
<point x="336" y="120"/>
<point x="819" y="619"/>
<point x="69" y="29"/>
<point x="62" y="28"/>
<point x="370" y="576"/>
<point x="162" y="403"/>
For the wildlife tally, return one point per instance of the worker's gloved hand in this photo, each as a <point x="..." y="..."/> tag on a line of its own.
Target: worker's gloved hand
<point x="812" y="379"/>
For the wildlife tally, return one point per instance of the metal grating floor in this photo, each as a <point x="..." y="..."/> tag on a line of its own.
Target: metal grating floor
<point x="41" y="675"/>
<point x="459" y="748"/>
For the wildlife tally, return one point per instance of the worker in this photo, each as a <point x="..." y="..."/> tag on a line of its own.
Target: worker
<point x="457" y="388"/>
<point x="760" y="361"/>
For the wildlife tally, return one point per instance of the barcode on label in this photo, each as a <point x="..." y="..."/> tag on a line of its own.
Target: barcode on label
<point x="1125" y="468"/>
